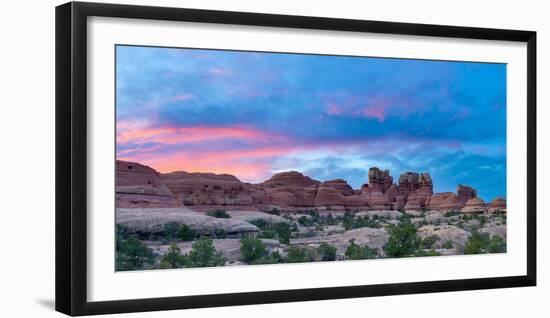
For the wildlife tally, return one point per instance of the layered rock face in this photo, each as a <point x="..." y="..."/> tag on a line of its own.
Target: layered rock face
<point x="380" y="180"/>
<point x="445" y="201"/>
<point x="474" y="205"/>
<point x="290" y="189"/>
<point x="140" y="186"/>
<point x="497" y="205"/>
<point x="465" y="193"/>
<point x="333" y="192"/>
<point x="210" y="189"/>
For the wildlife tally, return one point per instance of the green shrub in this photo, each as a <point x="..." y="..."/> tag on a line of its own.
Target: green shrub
<point x="351" y="221"/>
<point x="298" y="254"/>
<point x="173" y="259"/>
<point x="327" y="252"/>
<point x="274" y="258"/>
<point x="448" y="244"/>
<point x="305" y="221"/>
<point x="132" y="254"/>
<point x="185" y="233"/>
<point x="356" y="252"/>
<point x="204" y="254"/>
<point x="173" y="231"/>
<point x="220" y="214"/>
<point x="481" y="243"/>
<point x="252" y="249"/>
<point x="451" y="213"/>
<point x="403" y="240"/>
<point x="281" y="231"/>
<point x="274" y="211"/>
<point x="170" y="231"/>
<point x="429" y="241"/>
<point x="428" y="253"/>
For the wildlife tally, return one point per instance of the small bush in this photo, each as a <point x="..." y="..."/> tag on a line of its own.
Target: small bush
<point x="252" y="249"/>
<point x="451" y="213"/>
<point x="170" y="231"/>
<point x="448" y="244"/>
<point x="204" y="254"/>
<point x="185" y="233"/>
<point x="429" y="241"/>
<point x="356" y="252"/>
<point x="173" y="259"/>
<point x="274" y="211"/>
<point x="298" y="254"/>
<point x="220" y="214"/>
<point x="327" y="252"/>
<point x="481" y="243"/>
<point x="403" y="240"/>
<point x="132" y="254"/>
<point x="274" y="258"/>
<point x="173" y="231"/>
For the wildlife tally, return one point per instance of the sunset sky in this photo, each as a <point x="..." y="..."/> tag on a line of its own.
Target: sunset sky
<point x="255" y="114"/>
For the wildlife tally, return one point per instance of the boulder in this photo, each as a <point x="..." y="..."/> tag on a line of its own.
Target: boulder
<point x="251" y="216"/>
<point x="474" y="205"/>
<point x="499" y="230"/>
<point x="152" y="221"/>
<point x="137" y="185"/>
<point x="374" y="238"/>
<point x="456" y="235"/>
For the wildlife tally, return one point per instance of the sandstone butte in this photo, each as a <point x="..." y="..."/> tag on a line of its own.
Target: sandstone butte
<point x="141" y="186"/>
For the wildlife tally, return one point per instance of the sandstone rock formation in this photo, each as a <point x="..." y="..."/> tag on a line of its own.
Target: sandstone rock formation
<point x="445" y="233"/>
<point x="465" y="193"/>
<point x="140" y="186"/>
<point x="445" y="201"/>
<point x="210" y="189"/>
<point x="374" y="238"/>
<point x="152" y="221"/>
<point x="333" y="192"/>
<point x="379" y="180"/>
<point x="474" y="205"/>
<point x="251" y="216"/>
<point x="290" y="189"/>
<point x="498" y="204"/>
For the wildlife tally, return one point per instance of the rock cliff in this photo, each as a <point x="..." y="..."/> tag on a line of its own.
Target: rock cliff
<point x="141" y="186"/>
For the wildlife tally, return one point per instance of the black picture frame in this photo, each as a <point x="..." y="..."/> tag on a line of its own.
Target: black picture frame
<point x="71" y="157"/>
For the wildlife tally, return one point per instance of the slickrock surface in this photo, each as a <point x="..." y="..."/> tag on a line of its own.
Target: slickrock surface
<point x="152" y="221"/>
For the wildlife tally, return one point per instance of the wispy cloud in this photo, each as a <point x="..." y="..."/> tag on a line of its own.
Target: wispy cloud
<point x="253" y="114"/>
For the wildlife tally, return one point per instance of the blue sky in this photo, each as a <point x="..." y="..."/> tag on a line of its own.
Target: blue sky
<point x="254" y="114"/>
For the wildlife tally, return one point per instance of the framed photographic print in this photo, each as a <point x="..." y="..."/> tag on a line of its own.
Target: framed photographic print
<point x="210" y="158"/>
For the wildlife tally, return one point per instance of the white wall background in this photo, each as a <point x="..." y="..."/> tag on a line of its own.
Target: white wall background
<point x="27" y="158"/>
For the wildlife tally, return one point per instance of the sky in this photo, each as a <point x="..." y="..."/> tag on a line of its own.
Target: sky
<point x="254" y="114"/>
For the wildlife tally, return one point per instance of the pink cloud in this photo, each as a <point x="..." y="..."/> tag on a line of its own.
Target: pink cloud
<point x="377" y="112"/>
<point x="179" y="135"/>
